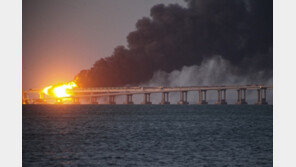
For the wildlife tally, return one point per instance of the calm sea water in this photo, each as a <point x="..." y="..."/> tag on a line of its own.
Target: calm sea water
<point x="147" y="135"/>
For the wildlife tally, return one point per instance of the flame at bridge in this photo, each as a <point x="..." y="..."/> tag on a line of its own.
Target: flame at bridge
<point x="60" y="90"/>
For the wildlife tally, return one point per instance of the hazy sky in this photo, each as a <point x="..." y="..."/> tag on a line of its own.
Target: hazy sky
<point x="62" y="37"/>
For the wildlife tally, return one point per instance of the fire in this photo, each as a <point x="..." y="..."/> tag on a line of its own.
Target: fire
<point x="45" y="90"/>
<point x="60" y="90"/>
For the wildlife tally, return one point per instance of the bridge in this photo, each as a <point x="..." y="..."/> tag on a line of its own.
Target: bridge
<point x="111" y="92"/>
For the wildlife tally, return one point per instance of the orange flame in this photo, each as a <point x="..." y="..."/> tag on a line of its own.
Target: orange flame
<point x="60" y="90"/>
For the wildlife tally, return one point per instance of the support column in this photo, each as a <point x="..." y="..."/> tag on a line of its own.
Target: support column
<point x="25" y="98"/>
<point x="111" y="99"/>
<point x="241" y="96"/>
<point x="94" y="100"/>
<point x="183" y="97"/>
<point x="167" y="98"/>
<point x="221" y="96"/>
<point x="261" y="99"/>
<point x="164" y="98"/>
<point x="41" y="95"/>
<point x="199" y="97"/>
<point x="224" y="98"/>
<point x="146" y="99"/>
<point x="41" y="98"/>
<point x="129" y="99"/>
<point x="76" y="100"/>
<point x="202" y="97"/>
<point x="258" y="96"/>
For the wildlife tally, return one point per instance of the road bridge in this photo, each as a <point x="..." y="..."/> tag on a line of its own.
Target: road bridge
<point x="112" y="92"/>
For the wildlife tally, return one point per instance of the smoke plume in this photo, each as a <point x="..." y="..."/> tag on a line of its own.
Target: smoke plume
<point x="211" y="72"/>
<point x="176" y="38"/>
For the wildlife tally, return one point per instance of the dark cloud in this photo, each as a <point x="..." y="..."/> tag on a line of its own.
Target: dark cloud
<point x="241" y="32"/>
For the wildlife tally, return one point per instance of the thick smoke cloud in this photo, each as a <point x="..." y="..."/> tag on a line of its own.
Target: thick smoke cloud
<point x="239" y="31"/>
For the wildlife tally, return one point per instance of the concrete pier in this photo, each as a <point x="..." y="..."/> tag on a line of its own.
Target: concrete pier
<point x="129" y="99"/>
<point x="94" y="100"/>
<point x="165" y="98"/>
<point x="76" y="100"/>
<point x="221" y="96"/>
<point x="41" y="95"/>
<point x="241" y="96"/>
<point x="111" y="100"/>
<point x="183" y="98"/>
<point x="146" y="99"/>
<point x="25" y="99"/>
<point x="202" y="99"/>
<point x="261" y="98"/>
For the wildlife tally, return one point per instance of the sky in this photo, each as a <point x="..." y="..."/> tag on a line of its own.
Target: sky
<point x="62" y="37"/>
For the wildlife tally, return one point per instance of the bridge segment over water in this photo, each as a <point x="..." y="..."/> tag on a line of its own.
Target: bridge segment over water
<point x="112" y="92"/>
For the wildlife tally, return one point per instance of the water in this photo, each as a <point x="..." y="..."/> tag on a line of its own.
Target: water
<point x="139" y="135"/>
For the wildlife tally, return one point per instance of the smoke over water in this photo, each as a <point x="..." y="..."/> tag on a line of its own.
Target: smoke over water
<point x="209" y="42"/>
<point x="214" y="71"/>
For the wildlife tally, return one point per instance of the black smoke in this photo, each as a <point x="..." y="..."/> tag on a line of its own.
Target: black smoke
<point x="240" y="31"/>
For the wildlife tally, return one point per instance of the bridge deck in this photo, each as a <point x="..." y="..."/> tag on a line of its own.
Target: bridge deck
<point x="117" y="91"/>
<point x="141" y="90"/>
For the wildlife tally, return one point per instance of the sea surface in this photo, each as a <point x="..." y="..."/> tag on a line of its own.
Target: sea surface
<point x="147" y="135"/>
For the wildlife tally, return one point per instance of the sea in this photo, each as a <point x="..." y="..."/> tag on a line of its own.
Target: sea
<point x="147" y="135"/>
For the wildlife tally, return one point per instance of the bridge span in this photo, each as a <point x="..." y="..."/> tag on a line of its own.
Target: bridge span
<point x="112" y="92"/>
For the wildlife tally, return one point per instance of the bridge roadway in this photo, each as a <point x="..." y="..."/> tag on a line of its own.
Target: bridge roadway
<point x="106" y="91"/>
<point x="164" y="89"/>
<point x="111" y="92"/>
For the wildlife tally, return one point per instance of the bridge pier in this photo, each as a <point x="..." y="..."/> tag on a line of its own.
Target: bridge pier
<point x="25" y="98"/>
<point x="41" y="95"/>
<point x="76" y="100"/>
<point x="241" y="96"/>
<point x="111" y="99"/>
<point x="129" y="99"/>
<point x="261" y="97"/>
<point x="202" y="97"/>
<point x="146" y="99"/>
<point x="41" y="99"/>
<point x="164" y="98"/>
<point x="183" y="97"/>
<point x="94" y="100"/>
<point x="221" y="96"/>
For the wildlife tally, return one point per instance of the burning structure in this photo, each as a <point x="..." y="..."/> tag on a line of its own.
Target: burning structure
<point x="64" y="93"/>
<point x="240" y="32"/>
<point x="58" y="92"/>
